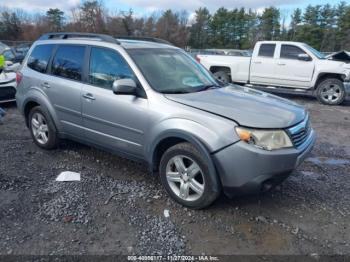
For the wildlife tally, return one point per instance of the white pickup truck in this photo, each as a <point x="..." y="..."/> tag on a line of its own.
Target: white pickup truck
<point x="284" y="67"/>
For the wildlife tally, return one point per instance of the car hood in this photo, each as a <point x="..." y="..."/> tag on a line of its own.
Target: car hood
<point x="248" y="107"/>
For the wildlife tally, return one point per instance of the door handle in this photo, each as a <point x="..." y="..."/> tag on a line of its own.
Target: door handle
<point x="45" y="84"/>
<point x="257" y="62"/>
<point x="89" y="96"/>
<point x="281" y="64"/>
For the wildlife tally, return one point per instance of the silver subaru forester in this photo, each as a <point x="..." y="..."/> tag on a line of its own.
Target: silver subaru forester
<point x="152" y="102"/>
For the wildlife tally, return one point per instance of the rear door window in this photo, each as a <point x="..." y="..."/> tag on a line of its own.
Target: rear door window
<point x="68" y="62"/>
<point x="267" y="50"/>
<point x="39" y="58"/>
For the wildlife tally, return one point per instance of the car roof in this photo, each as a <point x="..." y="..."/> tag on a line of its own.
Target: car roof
<point x="133" y="44"/>
<point x="127" y="42"/>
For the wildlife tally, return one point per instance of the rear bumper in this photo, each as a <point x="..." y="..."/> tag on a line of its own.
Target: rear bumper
<point x="245" y="169"/>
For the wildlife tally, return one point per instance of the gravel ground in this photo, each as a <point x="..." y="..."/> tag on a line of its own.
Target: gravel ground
<point x="118" y="208"/>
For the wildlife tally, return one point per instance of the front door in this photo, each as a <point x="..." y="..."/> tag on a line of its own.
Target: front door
<point x="114" y="121"/>
<point x="290" y="70"/>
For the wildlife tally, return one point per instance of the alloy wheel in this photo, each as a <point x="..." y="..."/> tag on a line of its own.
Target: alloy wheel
<point x="40" y="128"/>
<point x="331" y="92"/>
<point x="185" y="178"/>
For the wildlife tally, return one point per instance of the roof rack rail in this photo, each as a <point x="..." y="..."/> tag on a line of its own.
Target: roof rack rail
<point x="145" y="38"/>
<point x="67" y="35"/>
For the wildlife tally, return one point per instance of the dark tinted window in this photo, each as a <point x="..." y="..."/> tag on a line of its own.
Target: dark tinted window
<point x="68" y="62"/>
<point x="267" y="50"/>
<point x="290" y="52"/>
<point x="39" y="58"/>
<point x="106" y="66"/>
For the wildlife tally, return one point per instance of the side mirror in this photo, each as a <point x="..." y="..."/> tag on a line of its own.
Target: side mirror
<point x="304" y="57"/>
<point x="126" y="86"/>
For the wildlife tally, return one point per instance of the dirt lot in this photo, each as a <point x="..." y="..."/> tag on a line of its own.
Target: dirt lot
<point x="118" y="207"/>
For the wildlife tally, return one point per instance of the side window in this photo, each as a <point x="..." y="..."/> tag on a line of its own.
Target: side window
<point x="106" y="66"/>
<point x="8" y="54"/>
<point x="68" y="62"/>
<point x="39" y="58"/>
<point x="267" y="50"/>
<point x="290" y="52"/>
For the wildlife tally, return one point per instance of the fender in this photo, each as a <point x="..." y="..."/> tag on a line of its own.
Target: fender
<point x="185" y="128"/>
<point x="191" y="139"/>
<point x="35" y="94"/>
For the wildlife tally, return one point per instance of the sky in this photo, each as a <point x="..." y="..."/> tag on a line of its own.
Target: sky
<point x="144" y="7"/>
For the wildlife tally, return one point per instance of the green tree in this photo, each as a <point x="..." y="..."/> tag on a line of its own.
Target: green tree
<point x="296" y="20"/>
<point x="311" y="31"/>
<point x="343" y="31"/>
<point x="327" y="27"/>
<point x="55" y="18"/>
<point x="199" y="29"/>
<point x="270" y="24"/>
<point x="219" y="29"/>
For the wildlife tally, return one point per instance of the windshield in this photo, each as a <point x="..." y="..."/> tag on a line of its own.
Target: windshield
<point x="172" y="71"/>
<point x="317" y="53"/>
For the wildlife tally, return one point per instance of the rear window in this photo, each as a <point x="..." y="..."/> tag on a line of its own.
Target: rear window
<point x="267" y="50"/>
<point x="68" y="62"/>
<point x="39" y="58"/>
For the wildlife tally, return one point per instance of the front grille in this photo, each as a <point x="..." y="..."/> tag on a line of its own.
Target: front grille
<point x="300" y="132"/>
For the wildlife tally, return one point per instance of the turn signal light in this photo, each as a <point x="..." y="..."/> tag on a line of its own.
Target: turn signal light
<point x="244" y="135"/>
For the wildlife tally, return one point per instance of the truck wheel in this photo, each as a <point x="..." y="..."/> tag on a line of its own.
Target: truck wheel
<point x="223" y="77"/>
<point x="42" y="128"/>
<point x="186" y="177"/>
<point x="330" y="91"/>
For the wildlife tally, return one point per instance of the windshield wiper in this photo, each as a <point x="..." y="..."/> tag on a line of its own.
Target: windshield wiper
<point x="207" y="87"/>
<point x="175" y="92"/>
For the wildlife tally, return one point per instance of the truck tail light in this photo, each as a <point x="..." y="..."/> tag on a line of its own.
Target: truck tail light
<point x="19" y="77"/>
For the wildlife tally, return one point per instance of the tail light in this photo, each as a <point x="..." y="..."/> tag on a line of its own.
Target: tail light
<point x="198" y="59"/>
<point x="19" y="77"/>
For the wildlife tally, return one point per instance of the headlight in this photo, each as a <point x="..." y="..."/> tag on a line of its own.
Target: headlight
<point x="265" y="139"/>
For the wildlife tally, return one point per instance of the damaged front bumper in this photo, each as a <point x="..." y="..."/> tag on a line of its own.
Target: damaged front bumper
<point x="245" y="169"/>
<point x="347" y="88"/>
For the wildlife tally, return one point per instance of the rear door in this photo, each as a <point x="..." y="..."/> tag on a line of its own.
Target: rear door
<point x="114" y="121"/>
<point x="290" y="70"/>
<point x="63" y="86"/>
<point x="263" y="64"/>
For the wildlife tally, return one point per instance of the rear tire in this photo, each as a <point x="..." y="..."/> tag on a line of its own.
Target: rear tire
<point x="330" y="91"/>
<point x="223" y="77"/>
<point x="42" y="128"/>
<point x="186" y="177"/>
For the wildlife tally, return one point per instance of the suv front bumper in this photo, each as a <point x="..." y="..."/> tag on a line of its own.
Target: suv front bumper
<point x="245" y="169"/>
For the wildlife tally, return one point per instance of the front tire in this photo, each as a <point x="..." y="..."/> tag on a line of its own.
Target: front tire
<point x="42" y="128"/>
<point x="330" y="91"/>
<point x="186" y="177"/>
